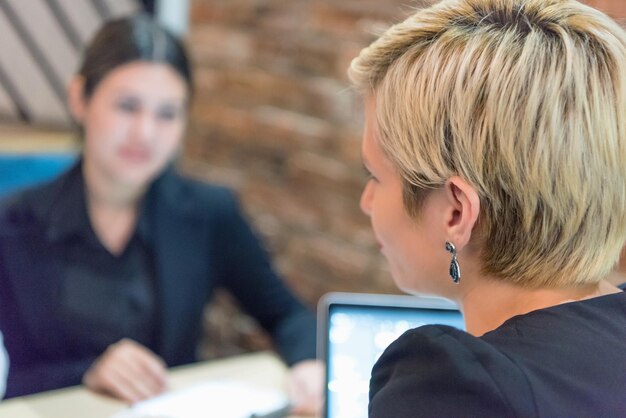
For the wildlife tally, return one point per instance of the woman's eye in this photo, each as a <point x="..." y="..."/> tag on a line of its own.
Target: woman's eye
<point x="369" y="174"/>
<point x="129" y="106"/>
<point x="168" y="113"/>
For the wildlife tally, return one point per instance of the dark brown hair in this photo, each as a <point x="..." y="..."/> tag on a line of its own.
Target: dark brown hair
<point x="134" y="38"/>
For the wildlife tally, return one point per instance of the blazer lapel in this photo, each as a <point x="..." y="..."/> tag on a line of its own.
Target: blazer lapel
<point x="181" y="268"/>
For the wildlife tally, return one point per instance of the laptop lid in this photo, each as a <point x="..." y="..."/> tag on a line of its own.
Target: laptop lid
<point x="353" y="331"/>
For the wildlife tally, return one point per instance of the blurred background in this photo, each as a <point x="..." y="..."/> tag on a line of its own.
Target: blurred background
<point x="273" y="117"/>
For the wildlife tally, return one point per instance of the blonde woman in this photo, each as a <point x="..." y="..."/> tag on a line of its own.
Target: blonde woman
<point x="496" y="139"/>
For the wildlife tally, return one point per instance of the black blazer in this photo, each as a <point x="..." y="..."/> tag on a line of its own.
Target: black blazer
<point x="200" y="241"/>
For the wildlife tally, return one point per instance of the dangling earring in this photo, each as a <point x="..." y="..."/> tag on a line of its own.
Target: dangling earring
<point x="455" y="270"/>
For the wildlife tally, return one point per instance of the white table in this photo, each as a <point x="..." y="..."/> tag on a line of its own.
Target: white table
<point x="264" y="370"/>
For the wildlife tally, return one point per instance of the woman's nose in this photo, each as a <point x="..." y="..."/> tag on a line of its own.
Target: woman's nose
<point x="145" y="126"/>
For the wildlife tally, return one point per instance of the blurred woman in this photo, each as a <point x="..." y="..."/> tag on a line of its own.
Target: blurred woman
<point x="104" y="272"/>
<point x="496" y="140"/>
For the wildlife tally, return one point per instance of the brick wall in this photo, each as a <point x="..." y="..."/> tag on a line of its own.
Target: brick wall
<point x="274" y="119"/>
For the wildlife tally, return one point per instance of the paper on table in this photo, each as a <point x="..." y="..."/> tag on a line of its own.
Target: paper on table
<point x="215" y="398"/>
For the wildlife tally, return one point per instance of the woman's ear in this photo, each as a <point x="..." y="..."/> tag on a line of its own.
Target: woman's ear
<point x="76" y="98"/>
<point x="465" y="204"/>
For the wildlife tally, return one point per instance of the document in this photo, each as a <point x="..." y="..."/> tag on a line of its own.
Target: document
<point x="214" y="398"/>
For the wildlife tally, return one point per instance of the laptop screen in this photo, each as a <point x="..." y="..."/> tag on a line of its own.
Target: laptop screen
<point x="357" y="329"/>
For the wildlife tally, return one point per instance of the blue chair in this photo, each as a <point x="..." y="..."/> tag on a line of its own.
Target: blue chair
<point x="22" y="170"/>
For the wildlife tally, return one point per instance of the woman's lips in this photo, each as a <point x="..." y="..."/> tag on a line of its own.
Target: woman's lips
<point x="138" y="155"/>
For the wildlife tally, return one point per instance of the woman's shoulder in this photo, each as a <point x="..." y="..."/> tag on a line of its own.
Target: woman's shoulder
<point x="537" y="364"/>
<point x="594" y="322"/>
<point x="26" y="207"/>
<point x="442" y="371"/>
<point x="31" y="207"/>
<point x="175" y="184"/>
<point x="193" y="197"/>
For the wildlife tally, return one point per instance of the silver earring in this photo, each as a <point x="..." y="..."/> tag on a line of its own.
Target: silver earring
<point x="455" y="270"/>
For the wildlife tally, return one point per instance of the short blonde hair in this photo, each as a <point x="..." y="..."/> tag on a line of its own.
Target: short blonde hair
<point x="525" y="99"/>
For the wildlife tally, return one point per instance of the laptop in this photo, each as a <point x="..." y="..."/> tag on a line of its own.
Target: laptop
<point x="353" y="331"/>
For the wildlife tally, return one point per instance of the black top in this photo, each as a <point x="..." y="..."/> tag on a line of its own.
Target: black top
<point x="113" y="294"/>
<point x="194" y="240"/>
<point x="565" y="361"/>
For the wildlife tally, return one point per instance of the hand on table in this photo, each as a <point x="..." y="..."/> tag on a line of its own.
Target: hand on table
<point x="305" y="386"/>
<point x="128" y="371"/>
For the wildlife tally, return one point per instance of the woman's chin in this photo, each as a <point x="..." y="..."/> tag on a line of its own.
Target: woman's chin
<point x="136" y="177"/>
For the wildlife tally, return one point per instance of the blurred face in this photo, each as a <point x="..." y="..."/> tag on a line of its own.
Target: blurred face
<point x="134" y="123"/>
<point x="413" y="248"/>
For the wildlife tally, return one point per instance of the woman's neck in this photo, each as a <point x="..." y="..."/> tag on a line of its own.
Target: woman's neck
<point x="489" y="302"/>
<point x="106" y="192"/>
<point x="112" y="208"/>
